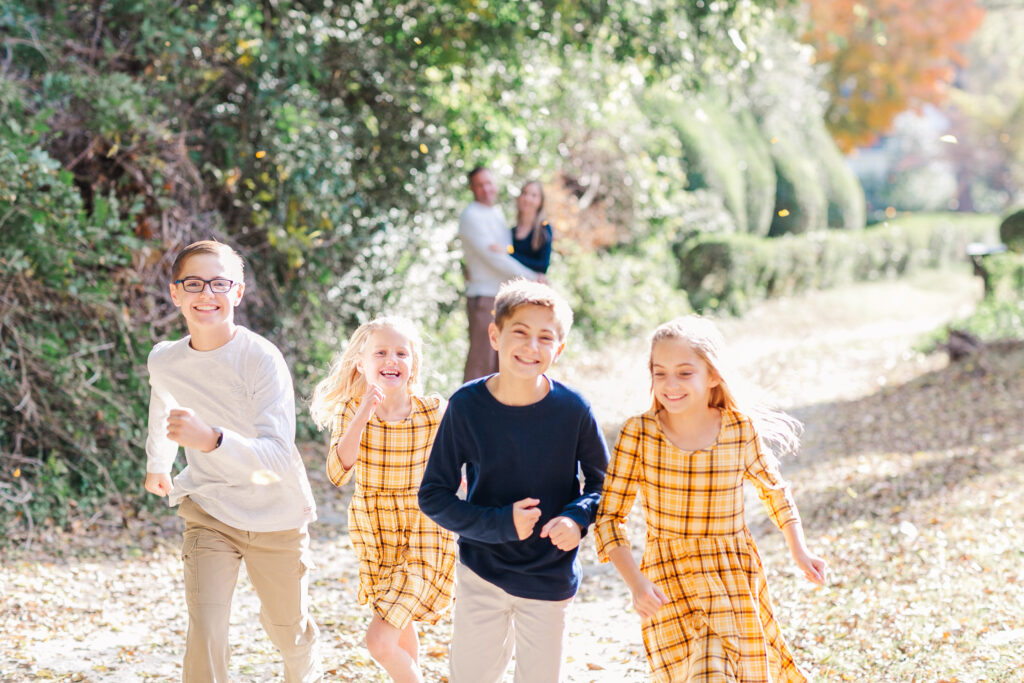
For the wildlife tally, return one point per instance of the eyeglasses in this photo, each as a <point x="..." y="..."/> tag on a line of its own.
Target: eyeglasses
<point x="194" y="285"/>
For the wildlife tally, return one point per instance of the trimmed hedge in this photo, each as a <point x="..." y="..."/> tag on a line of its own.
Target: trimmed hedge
<point x="1011" y="231"/>
<point x="815" y="187"/>
<point x="731" y="272"/>
<point x="709" y="157"/>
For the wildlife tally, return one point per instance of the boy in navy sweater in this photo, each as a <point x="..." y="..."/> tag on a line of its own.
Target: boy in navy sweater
<point x="523" y="439"/>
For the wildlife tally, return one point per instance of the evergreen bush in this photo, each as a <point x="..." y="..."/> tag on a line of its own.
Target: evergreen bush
<point x="730" y="272"/>
<point x="1011" y="231"/>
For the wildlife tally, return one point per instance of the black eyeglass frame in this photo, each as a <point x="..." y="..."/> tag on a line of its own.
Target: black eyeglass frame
<point x="206" y="283"/>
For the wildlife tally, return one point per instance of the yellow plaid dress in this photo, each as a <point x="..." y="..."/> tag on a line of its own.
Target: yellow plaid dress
<point x="406" y="561"/>
<point x="719" y="625"/>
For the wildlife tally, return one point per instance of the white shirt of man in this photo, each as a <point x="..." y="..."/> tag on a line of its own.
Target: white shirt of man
<point x="480" y="226"/>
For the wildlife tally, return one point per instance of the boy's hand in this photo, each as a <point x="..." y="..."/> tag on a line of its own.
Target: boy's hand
<point x="525" y="514"/>
<point x="160" y="484"/>
<point x="563" y="532"/>
<point x="187" y="429"/>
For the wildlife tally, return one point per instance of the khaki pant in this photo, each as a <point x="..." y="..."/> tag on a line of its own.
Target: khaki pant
<point x="482" y="359"/>
<point x="490" y="623"/>
<point x="277" y="563"/>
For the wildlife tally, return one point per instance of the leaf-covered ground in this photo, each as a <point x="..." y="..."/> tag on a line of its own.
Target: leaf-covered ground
<point x="910" y="484"/>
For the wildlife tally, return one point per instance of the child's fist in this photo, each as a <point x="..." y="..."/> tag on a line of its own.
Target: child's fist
<point x="371" y="399"/>
<point x="525" y="514"/>
<point x="159" y="484"/>
<point x="563" y="532"/>
<point x="188" y="429"/>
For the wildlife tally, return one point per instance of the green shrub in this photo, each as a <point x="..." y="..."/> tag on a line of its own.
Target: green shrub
<point x="1011" y="231"/>
<point x="72" y="389"/>
<point x="1000" y="316"/>
<point x="800" y="204"/>
<point x="709" y="158"/>
<point x="619" y="293"/>
<point x="759" y="173"/>
<point x="722" y="152"/>
<point x="730" y="272"/>
<point x="1005" y="276"/>
<point x="843" y="191"/>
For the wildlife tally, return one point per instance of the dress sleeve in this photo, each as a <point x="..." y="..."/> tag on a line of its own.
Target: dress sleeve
<point x="762" y="470"/>
<point x="336" y="472"/>
<point x="621" y="484"/>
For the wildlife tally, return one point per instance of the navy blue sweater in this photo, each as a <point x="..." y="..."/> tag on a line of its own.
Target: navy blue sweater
<point x="536" y="260"/>
<point x="511" y="453"/>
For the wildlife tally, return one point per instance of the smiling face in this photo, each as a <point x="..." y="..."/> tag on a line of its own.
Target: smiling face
<point x="680" y="379"/>
<point x="387" y="360"/>
<point x="206" y="313"/>
<point x="527" y="343"/>
<point x="530" y="199"/>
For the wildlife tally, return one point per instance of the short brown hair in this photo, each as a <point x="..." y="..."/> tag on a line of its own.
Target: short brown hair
<point x="521" y="292"/>
<point x="206" y="247"/>
<point x="471" y="174"/>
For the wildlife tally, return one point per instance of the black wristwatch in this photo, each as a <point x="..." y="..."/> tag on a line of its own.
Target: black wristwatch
<point x="220" y="438"/>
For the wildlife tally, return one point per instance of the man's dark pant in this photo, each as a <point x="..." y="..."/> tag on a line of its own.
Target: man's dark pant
<point x="481" y="359"/>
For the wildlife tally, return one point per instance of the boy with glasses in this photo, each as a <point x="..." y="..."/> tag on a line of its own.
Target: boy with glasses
<point x="224" y="393"/>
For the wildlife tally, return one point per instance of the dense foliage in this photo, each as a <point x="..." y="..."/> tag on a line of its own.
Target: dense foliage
<point x="328" y="141"/>
<point x="883" y="57"/>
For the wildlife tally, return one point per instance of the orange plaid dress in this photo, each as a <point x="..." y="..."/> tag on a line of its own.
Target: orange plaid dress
<point x="406" y="561"/>
<point x="719" y="625"/>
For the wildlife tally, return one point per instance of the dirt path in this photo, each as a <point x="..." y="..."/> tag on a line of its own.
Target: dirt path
<point x="75" y="611"/>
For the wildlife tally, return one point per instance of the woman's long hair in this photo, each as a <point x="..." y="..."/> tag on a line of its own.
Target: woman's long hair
<point x="777" y="430"/>
<point x="344" y="381"/>
<point x="538" y="236"/>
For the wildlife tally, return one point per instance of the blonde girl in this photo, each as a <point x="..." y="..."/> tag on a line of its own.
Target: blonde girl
<point x="700" y="587"/>
<point x="382" y="430"/>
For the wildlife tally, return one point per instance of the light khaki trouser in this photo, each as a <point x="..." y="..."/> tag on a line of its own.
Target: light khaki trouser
<point x="277" y="563"/>
<point x="490" y="623"/>
<point x="481" y="360"/>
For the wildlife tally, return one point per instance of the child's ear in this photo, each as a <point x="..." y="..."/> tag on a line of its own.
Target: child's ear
<point x="174" y="294"/>
<point x="561" y="347"/>
<point x="238" y="291"/>
<point x="492" y="333"/>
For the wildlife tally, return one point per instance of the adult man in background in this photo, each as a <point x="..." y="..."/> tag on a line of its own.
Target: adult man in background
<point x="482" y="226"/>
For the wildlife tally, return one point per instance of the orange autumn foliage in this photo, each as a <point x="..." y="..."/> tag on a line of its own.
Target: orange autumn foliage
<point x="886" y="56"/>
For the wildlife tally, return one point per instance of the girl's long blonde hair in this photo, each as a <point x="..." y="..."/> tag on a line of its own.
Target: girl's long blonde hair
<point x="777" y="430"/>
<point x="344" y="381"/>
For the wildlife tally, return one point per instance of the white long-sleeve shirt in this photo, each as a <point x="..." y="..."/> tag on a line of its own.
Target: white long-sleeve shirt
<point x="480" y="226"/>
<point x="255" y="480"/>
